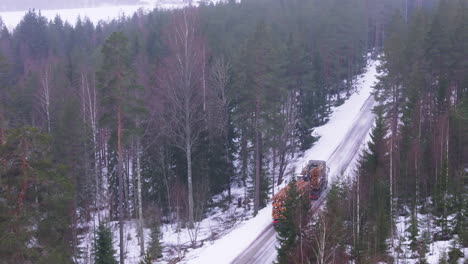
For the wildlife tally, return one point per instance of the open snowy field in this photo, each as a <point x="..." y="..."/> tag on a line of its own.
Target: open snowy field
<point x="95" y="14"/>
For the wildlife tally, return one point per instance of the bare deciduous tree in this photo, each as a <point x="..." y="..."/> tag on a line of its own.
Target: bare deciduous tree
<point x="220" y="80"/>
<point x="180" y="81"/>
<point x="321" y="235"/>
<point x="44" y="94"/>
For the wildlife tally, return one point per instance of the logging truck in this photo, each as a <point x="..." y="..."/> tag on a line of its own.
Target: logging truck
<point x="312" y="181"/>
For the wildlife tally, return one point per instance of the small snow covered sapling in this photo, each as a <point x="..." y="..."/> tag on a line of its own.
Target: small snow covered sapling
<point x="104" y="252"/>
<point x="147" y="258"/>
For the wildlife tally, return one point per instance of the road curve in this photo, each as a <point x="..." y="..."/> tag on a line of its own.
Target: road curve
<point x="263" y="249"/>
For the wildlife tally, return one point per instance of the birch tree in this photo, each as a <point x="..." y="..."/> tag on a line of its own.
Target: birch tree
<point x="44" y="93"/>
<point x="220" y="78"/>
<point x="180" y="81"/>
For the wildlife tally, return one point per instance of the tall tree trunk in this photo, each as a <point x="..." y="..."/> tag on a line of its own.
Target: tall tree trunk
<point x="358" y="202"/>
<point x="121" y="182"/>
<point x="190" y="184"/>
<point x="204" y="79"/>
<point x="273" y="171"/>
<point x="282" y="162"/>
<point x="257" y="160"/>
<point x="2" y="130"/>
<point x="229" y="174"/>
<point x="140" y="202"/>
<point x="447" y="136"/>
<point x="188" y="154"/>
<point x="2" y="140"/>
<point x="89" y="108"/>
<point x="166" y="181"/>
<point x="45" y="96"/>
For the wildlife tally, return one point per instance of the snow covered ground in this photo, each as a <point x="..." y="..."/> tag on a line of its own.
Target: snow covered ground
<point x="435" y="248"/>
<point x="336" y="145"/>
<point x="227" y="233"/>
<point x="341" y="120"/>
<point x="95" y="14"/>
<point x="177" y="242"/>
<point x="332" y="135"/>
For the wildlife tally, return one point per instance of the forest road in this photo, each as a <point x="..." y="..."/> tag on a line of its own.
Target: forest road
<point x="263" y="249"/>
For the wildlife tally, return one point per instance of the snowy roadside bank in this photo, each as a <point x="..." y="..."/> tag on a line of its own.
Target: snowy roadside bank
<point x="227" y="248"/>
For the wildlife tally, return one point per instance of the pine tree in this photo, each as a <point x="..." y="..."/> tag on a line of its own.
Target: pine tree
<point x="116" y="78"/>
<point x="35" y="192"/>
<point x="104" y="251"/>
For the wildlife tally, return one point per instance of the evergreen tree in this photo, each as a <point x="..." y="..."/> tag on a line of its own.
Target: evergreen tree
<point x="146" y="259"/>
<point x="289" y="229"/>
<point x="440" y="201"/>
<point x="36" y="191"/>
<point x="443" y="259"/>
<point x="413" y="230"/>
<point x="104" y="251"/>
<point x="463" y="212"/>
<point x="423" y="246"/>
<point x="116" y="79"/>
<point x="454" y="253"/>
<point x="155" y="249"/>
<point x="374" y="157"/>
<point x="259" y="100"/>
<point x="374" y="197"/>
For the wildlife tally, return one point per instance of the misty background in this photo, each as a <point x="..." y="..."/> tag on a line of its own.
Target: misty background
<point x="16" y="5"/>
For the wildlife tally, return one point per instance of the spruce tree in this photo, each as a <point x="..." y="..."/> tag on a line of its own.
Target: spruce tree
<point x="104" y="251"/>
<point x="374" y="198"/>
<point x="287" y="230"/>
<point x="443" y="259"/>
<point x="146" y="259"/>
<point x="374" y="157"/>
<point x="155" y="248"/>
<point x="454" y="253"/>
<point x="413" y="230"/>
<point x="297" y="205"/>
<point x="423" y="246"/>
<point x="440" y="201"/>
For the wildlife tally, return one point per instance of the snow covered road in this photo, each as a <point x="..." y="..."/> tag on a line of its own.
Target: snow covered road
<point x="254" y="240"/>
<point x="263" y="249"/>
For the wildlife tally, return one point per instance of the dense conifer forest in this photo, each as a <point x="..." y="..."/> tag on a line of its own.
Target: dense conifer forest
<point x="148" y="117"/>
<point x="415" y="166"/>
